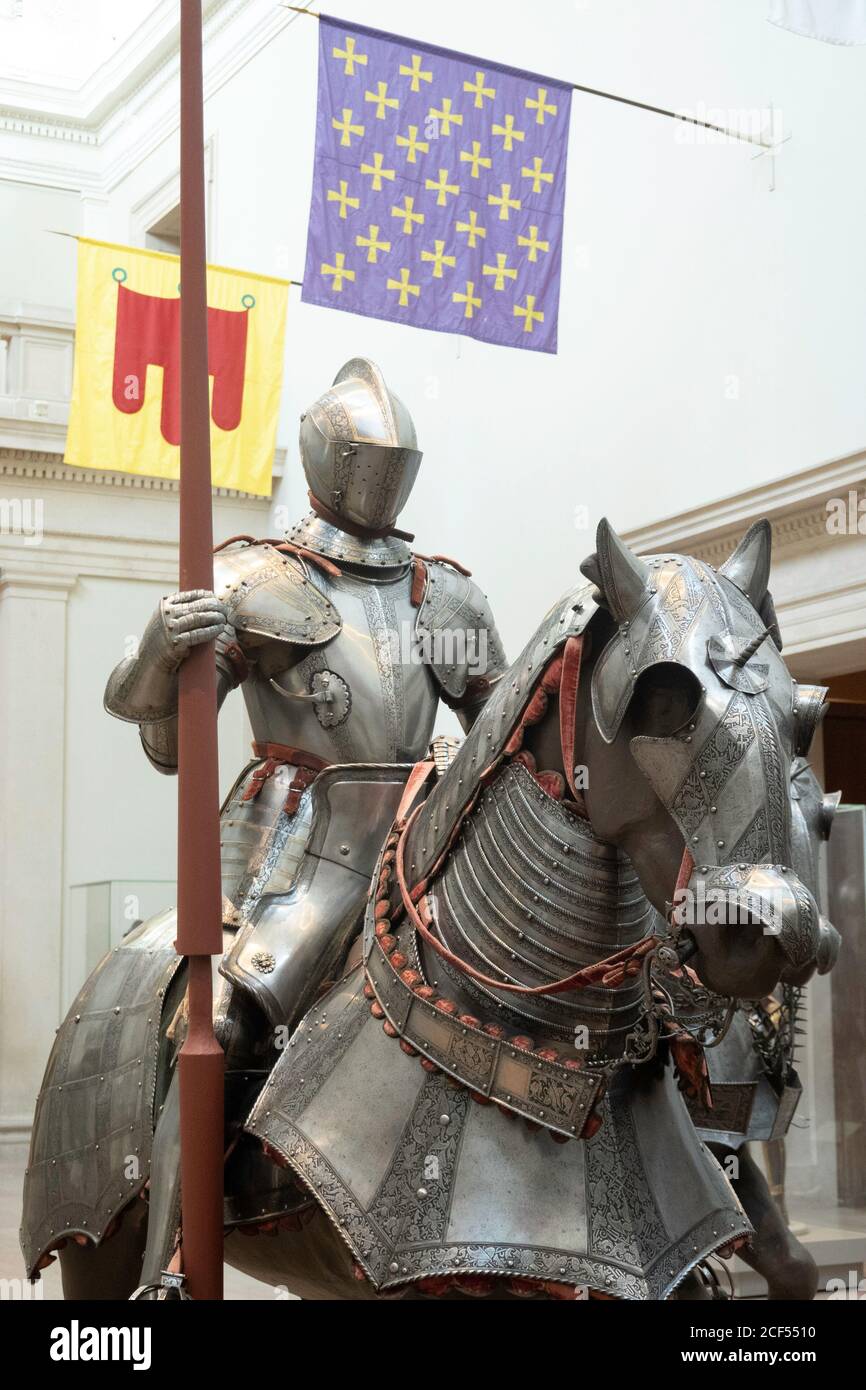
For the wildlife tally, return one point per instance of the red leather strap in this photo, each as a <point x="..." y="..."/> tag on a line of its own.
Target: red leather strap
<point x="275" y="755"/>
<point x="234" y="655"/>
<point x="568" y="683"/>
<point x="288" y="548"/>
<point x="611" y="971"/>
<point x="446" y="560"/>
<point x="419" y="581"/>
<point x="687" y="865"/>
<point x="414" y="782"/>
<point x="363" y="533"/>
<point x="285" y="753"/>
<point x="233" y="540"/>
<point x="320" y="561"/>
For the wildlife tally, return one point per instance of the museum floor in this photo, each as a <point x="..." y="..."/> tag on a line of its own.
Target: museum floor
<point x="836" y="1236"/>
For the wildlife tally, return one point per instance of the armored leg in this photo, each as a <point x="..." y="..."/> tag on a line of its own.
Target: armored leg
<point x="774" y="1252"/>
<point x="247" y="1039"/>
<point x="164" y="1215"/>
<point x="111" y="1270"/>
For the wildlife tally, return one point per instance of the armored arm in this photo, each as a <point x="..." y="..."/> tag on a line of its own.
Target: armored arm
<point x="143" y="689"/>
<point x="458" y="639"/>
<point x="265" y="609"/>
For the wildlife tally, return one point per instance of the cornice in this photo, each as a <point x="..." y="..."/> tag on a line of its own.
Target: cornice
<point x="794" y="504"/>
<point x="38" y="465"/>
<point x="84" y="108"/>
<point x="99" y="124"/>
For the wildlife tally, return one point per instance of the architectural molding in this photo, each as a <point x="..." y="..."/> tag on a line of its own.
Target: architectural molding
<point x="791" y="503"/>
<point x="42" y="465"/>
<point x="819" y="578"/>
<point x="103" y="112"/>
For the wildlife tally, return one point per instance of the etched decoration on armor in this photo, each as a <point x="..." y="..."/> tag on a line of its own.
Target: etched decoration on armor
<point x="265" y="961"/>
<point x="359" y="450"/>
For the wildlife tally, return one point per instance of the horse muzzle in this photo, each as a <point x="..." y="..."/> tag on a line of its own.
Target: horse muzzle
<point x="767" y="895"/>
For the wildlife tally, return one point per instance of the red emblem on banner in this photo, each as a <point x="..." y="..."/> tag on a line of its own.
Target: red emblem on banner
<point x="147" y="333"/>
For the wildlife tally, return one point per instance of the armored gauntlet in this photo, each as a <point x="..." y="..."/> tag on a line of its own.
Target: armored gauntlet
<point x="143" y="688"/>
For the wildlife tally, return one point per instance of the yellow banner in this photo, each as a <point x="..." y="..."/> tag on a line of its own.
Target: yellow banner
<point x="125" y="408"/>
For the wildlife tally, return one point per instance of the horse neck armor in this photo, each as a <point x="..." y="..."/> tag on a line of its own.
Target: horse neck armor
<point x="531" y="893"/>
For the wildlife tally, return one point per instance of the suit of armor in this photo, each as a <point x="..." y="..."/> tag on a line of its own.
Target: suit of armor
<point x="343" y="642"/>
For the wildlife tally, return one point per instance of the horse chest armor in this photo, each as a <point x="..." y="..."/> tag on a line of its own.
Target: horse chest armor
<point x="530" y="894"/>
<point x="382" y="698"/>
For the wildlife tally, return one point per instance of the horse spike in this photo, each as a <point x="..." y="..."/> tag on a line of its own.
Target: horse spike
<point x="751" y="647"/>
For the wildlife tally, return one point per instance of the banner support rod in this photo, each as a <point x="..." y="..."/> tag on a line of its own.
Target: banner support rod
<point x="624" y="101"/>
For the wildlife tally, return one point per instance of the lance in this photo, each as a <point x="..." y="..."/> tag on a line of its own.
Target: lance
<point x="199" y="911"/>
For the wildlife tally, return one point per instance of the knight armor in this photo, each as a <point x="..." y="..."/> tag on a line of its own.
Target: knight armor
<point x="344" y="642"/>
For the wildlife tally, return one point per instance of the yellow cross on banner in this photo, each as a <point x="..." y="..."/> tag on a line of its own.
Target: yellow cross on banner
<point x="528" y="312"/>
<point x="479" y="89"/>
<point x="350" y="56"/>
<point x="412" y="143"/>
<point x="346" y="127"/>
<point x="343" y="199"/>
<point x="501" y="271"/>
<point x="469" y="299"/>
<point x="533" y="244"/>
<point x="407" y="214"/>
<point x="438" y="257"/>
<point x="372" y="243"/>
<point x="541" y="106"/>
<point x="476" y="159"/>
<point x="509" y="133"/>
<point x="472" y="228"/>
<point x="537" y="174"/>
<point x="442" y="188"/>
<point x="504" y="202"/>
<point x="404" y="287"/>
<point x="415" y="73"/>
<point x="339" y="271"/>
<point x="446" y="117"/>
<point x="436" y="176"/>
<point x="377" y="172"/>
<point x="381" y="100"/>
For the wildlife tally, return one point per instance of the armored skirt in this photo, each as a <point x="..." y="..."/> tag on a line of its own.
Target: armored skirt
<point x="421" y="1181"/>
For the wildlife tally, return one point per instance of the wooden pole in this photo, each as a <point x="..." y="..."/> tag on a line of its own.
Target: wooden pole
<point x="199" y="931"/>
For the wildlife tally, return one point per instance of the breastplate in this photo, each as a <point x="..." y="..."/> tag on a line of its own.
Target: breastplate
<point x="383" y="699"/>
<point x="530" y="893"/>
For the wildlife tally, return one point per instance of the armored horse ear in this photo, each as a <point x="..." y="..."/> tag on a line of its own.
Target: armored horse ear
<point x="749" y="566"/>
<point x="621" y="578"/>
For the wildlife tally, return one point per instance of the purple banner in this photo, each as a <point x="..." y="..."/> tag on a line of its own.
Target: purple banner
<point x="438" y="189"/>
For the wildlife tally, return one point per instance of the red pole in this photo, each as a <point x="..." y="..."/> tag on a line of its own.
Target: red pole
<point x="199" y="912"/>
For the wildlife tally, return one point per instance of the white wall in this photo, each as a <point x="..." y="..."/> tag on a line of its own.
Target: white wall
<point x="710" y="330"/>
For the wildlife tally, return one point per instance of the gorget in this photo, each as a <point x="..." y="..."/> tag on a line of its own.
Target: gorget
<point x="312" y="533"/>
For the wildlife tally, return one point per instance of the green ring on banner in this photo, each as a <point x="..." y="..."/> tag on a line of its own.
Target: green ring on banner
<point x="248" y="301"/>
<point x="119" y="274"/>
